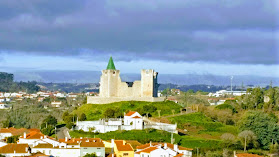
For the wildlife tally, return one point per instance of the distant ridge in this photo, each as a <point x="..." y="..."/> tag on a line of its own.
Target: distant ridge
<point x="180" y="79"/>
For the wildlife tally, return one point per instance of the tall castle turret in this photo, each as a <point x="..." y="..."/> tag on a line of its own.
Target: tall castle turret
<point x="109" y="80"/>
<point x="149" y="85"/>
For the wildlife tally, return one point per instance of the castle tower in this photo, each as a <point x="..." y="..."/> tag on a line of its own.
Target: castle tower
<point x="109" y="80"/>
<point x="149" y="85"/>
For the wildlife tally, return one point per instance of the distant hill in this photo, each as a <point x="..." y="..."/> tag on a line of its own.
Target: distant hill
<point x="7" y="84"/>
<point x="182" y="79"/>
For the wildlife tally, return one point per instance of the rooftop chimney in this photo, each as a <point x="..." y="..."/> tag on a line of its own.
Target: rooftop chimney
<point x="165" y="146"/>
<point x="112" y="143"/>
<point x="24" y="135"/>
<point x="175" y="147"/>
<point x="66" y="139"/>
<point x="150" y="143"/>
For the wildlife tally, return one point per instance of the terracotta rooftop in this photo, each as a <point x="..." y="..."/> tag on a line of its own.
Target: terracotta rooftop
<point x="38" y="155"/>
<point x="178" y="155"/>
<point x="130" y="113"/>
<point x="247" y="155"/>
<point x="133" y="143"/>
<point x="147" y="150"/>
<point x="76" y="141"/>
<point x="44" y="145"/>
<point x="169" y="145"/>
<point x="34" y="135"/>
<point x="92" y="144"/>
<point x="14" y="131"/>
<point x="144" y="146"/>
<point x="123" y="146"/>
<point x="136" y="117"/>
<point x="18" y="148"/>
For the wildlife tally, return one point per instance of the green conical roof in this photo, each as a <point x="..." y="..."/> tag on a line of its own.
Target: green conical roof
<point x="111" y="64"/>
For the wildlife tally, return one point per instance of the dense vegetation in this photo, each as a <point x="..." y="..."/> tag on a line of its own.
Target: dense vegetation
<point x="7" y="84"/>
<point x="204" y="124"/>
<point x="96" y="111"/>
<point x="28" y="113"/>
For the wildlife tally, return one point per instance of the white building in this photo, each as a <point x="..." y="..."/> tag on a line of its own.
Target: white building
<point x="2" y="144"/>
<point x="225" y="92"/>
<point x="3" y="106"/>
<point x="56" y="103"/>
<point x="162" y="149"/>
<point x="132" y="121"/>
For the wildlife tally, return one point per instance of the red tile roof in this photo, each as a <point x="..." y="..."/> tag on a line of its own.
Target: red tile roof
<point x="76" y="141"/>
<point x="18" y="148"/>
<point x="92" y="144"/>
<point x="14" y="131"/>
<point x="136" y="117"/>
<point x="43" y="145"/>
<point x="144" y="146"/>
<point x="178" y="155"/>
<point x="247" y="155"/>
<point x="123" y="146"/>
<point x="147" y="150"/>
<point x="169" y="145"/>
<point x="34" y="135"/>
<point x="130" y="113"/>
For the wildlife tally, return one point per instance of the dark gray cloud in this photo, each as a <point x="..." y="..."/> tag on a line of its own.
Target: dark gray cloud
<point x="179" y="30"/>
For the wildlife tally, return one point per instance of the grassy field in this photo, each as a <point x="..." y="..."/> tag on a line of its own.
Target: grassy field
<point x="96" y="111"/>
<point x="201" y="132"/>
<point x="197" y="124"/>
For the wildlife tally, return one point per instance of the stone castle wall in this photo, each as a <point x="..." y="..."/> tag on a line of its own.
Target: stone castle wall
<point x="102" y="100"/>
<point x="112" y="89"/>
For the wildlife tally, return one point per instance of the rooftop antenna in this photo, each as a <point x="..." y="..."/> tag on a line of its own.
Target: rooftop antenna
<point x="231" y="83"/>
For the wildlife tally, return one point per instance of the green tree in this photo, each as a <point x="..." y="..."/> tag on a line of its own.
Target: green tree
<point x="82" y="117"/>
<point x="263" y="125"/>
<point x="7" y="123"/>
<point x="48" y="125"/>
<point x="12" y="139"/>
<point x="50" y="120"/>
<point x="228" y="139"/>
<point x="91" y="155"/>
<point x="69" y="125"/>
<point x="248" y="138"/>
<point x="49" y="130"/>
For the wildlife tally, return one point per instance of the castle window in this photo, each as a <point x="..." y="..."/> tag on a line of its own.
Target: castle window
<point x="113" y="72"/>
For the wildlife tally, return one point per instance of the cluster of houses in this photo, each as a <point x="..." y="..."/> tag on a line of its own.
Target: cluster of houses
<point x="223" y="93"/>
<point x="35" y="143"/>
<point x="6" y="98"/>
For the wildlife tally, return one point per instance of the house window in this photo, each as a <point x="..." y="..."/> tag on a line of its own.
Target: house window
<point x="125" y="154"/>
<point x="49" y="152"/>
<point x="98" y="148"/>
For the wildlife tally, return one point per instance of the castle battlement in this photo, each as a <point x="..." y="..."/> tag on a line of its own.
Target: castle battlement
<point x="112" y="89"/>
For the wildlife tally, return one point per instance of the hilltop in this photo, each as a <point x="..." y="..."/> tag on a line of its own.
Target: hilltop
<point x="117" y="109"/>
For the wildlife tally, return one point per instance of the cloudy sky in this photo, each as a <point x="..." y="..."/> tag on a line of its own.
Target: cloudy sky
<point x="223" y="37"/>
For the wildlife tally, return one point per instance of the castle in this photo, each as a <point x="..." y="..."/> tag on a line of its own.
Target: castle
<point x="112" y="89"/>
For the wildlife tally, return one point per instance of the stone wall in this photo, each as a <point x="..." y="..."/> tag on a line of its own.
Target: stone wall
<point x="101" y="100"/>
